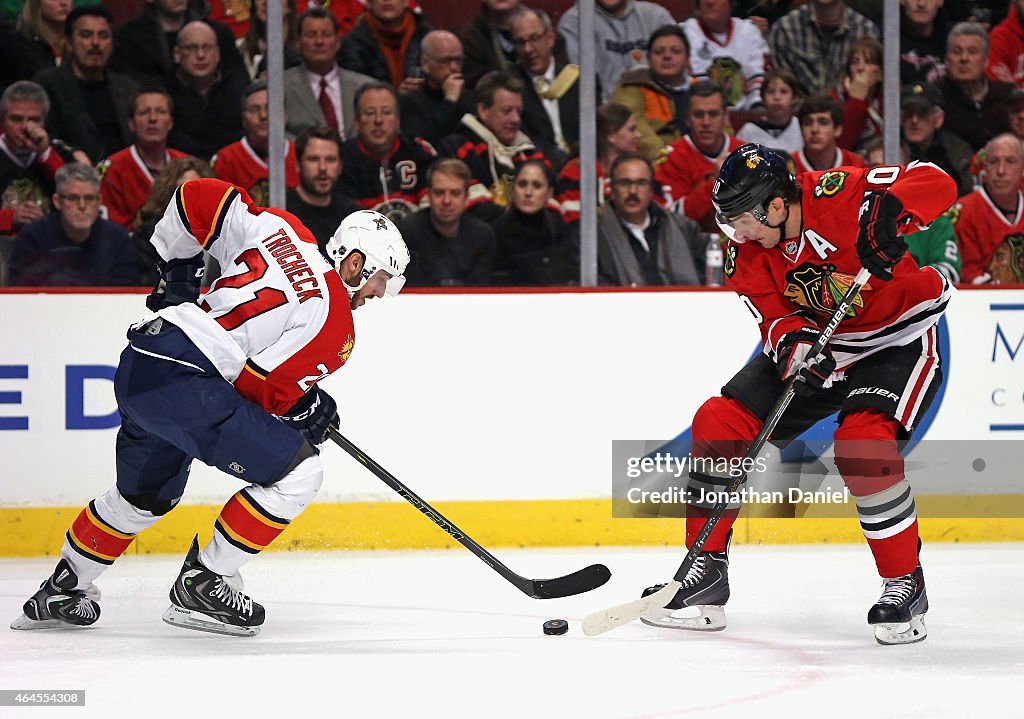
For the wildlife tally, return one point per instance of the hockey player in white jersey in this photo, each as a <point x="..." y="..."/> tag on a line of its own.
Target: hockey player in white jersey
<point x="232" y="381"/>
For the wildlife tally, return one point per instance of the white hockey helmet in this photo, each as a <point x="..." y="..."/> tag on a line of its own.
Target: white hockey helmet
<point x="380" y="242"/>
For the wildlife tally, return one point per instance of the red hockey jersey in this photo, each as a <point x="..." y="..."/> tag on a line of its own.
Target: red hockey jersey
<point x="687" y="177"/>
<point x="980" y="228"/>
<point x="799" y="282"/>
<point x="126" y="182"/>
<point x="239" y="164"/>
<point x="843" y="157"/>
<point x="279" y="318"/>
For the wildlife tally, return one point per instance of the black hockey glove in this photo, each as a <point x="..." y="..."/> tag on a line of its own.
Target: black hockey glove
<point x="879" y="246"/>
<point x="314" y="413"/>
<point x="793" y="359"/>
<point x="178" y="283"/>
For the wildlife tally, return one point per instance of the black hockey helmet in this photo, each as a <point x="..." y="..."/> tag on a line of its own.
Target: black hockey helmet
<point x="750" y="177"/>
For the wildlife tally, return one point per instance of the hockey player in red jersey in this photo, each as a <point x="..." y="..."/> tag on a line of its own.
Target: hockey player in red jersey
<point x="796" y="244"/>
<point x="230" y="380"/>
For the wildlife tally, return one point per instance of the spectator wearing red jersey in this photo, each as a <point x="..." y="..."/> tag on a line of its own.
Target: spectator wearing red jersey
<point x="244" y="163"/>
<point x="127" y="175"/>
<point x="993" y="212"/>
<point x="1006" y="48"/>
<point x="688" y="167"/>
<point x="821" y="124"/>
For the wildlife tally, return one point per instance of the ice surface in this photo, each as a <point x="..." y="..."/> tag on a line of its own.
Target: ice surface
<point x="432" y="634"/>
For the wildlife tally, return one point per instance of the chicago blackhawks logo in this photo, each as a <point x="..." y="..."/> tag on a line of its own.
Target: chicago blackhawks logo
<point x="820" y="288"/>
<point x="830" y="184"/>
<point x="953" y="213"/>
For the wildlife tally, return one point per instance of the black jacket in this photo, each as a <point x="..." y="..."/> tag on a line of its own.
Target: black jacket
<point x="438" y="261"/>
<point x="535" y="250"/>
<point x="360" y="51"/>
<point x="143" y="50"/>
<point x="69" y="119"/>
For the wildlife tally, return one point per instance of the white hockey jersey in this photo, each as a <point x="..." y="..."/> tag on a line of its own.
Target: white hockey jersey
<point x="278" y="319"/>
<point x="714" y="58"/>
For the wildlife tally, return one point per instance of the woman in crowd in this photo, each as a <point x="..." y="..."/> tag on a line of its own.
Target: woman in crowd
<point x="253" y="45"/>
<point x="41" y="30"/>
<point x="618" y="133"/>
<point x="175" y="174"/>
<point x="534" y="248"/>
<point x="861" y="94"/>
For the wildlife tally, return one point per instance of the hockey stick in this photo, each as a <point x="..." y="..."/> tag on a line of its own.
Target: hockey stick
<point x="608" y="619"/>
<point x="578" y="582"/>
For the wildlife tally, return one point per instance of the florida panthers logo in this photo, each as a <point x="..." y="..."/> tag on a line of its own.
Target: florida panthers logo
<point x="830" y="184"/>
<point x="381" y="223"/>
<point x="820" y="288"/>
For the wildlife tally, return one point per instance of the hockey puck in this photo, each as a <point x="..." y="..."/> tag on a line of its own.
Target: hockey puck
<point x="554" y="627"/>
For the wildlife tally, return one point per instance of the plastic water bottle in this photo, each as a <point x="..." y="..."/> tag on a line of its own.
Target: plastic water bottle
<point x="714" y="261"/>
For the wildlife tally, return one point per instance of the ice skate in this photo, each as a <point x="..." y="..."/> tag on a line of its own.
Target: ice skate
<point x="206" y="601"/>
<point x="58" y="604"/>
<point x="699" y="605"/>
<point x="898" y="616"/>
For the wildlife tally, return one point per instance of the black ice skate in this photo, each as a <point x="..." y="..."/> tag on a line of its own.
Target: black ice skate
<point x="705" y="589"/>
<point x="898" y="616"/>
<point x="58" y="604"/>
<point x="203" y="600"/>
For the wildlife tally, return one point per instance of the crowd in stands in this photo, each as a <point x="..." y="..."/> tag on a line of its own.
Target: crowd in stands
<point x="467" y="137"/>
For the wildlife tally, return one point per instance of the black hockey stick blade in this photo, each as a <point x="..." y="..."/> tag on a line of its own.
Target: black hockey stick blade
<point x="570" y="585"/>
<point x="579" y="582"/>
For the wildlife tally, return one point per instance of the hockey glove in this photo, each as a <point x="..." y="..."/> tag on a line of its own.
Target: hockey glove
<point x="879" y="245"/>
<point x="813" y="372"/>
<point x="178" y="283"/>
<point x="314" y="414"/>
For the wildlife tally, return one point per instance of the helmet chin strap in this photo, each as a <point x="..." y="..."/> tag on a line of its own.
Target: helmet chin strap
<point x="781" y="227"/>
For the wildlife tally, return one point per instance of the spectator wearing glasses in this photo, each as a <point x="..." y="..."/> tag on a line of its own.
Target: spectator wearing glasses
<point x="640" y="244"/>
<point x="244" y="163"/>
<point x="385" y="171"/>
<point x="207" y="102"/>
<point x="145" y="44"/>
<point x="551" y="93"/>
<point x="435" y="109"/>
<point x="74" y="247"/>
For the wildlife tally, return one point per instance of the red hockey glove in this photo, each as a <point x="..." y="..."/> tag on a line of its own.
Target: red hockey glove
<point x="793" y="360"/>
<point x="879" y="245"/>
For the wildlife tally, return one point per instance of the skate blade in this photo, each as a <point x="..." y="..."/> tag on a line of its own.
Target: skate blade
<point x="25" y="623"/>
<point x="186" y="619"/>
<point x="904" y="633"/>
<point x="709" y="618"/>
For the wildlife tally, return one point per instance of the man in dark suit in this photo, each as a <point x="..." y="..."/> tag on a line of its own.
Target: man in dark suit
<point x="551" y="97"/>
<point x="318" y="92"/>
<point x="89" y="106"/>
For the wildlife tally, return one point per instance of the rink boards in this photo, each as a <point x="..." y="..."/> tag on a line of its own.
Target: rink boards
<point x="500" y="408"/>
